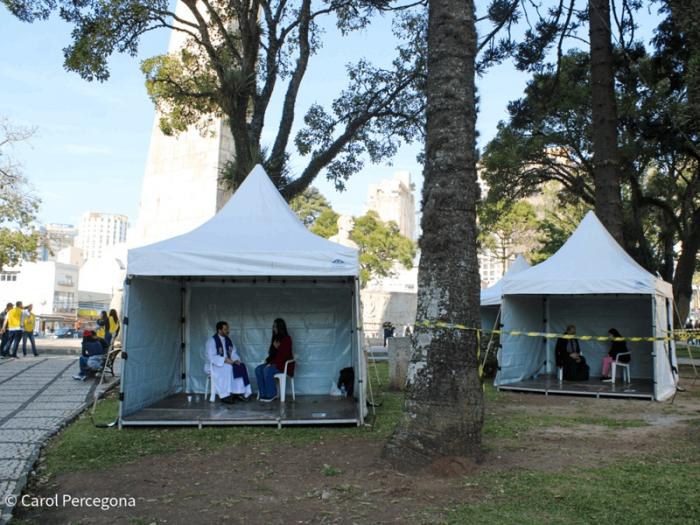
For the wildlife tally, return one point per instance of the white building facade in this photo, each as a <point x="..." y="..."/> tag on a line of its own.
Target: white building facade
<point x="98" y="231"/>
<point x="51" y="287"/>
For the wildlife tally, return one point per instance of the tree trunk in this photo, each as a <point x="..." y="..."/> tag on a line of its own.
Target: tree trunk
<point x="606" y="174"/>
<point x="685" y="268"/>
<point x="444" y="399"/>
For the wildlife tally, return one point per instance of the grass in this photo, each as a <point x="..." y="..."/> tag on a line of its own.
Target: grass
<point x="66" y="452"/>
<point x="646" y="490"/>
<point x="682" y="351"/>
<point x="510" y="425"/>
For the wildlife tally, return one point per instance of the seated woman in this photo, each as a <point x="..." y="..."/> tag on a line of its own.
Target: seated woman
<point x="279" y="353"/>
<point x="616" y="348"/>
<point x="567" y="355"/>
<point x="92" y="354"/>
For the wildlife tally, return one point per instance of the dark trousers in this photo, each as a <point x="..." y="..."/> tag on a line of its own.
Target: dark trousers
<point x="13" y="340"/>
<point x="3" y="342"/>
<point x="30" y="336"/>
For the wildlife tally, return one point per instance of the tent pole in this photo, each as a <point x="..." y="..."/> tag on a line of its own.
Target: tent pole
<point x="360" y="354"/>
<point x="490" y="343"/>
<point x="183" y="321"/>
<point x="125" y="347"/>
<point x="548" y="367"/>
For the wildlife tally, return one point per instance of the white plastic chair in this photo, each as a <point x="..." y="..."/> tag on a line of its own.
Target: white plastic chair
<point x="625" y="368"/>
<point x="282" y="378"/>
<point x="209" y="387"/>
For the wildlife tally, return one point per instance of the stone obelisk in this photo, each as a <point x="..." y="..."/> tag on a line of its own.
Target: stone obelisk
<point x="181" y="184"/>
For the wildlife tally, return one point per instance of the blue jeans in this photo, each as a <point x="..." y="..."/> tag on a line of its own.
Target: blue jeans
<point x="94" y="362"/>
<point x="30" y="336"/>
<point x="13" y="340"/>
<point x="267" y="386"/>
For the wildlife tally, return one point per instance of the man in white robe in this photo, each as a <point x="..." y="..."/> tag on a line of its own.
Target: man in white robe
<point x="222" y="359"/>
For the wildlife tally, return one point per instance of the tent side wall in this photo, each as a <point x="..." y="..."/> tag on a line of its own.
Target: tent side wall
<point x="152" y="369"/>
<point x="520" y="357"/>
<point x="595" y="315"/>
<point x="664" y="351"/>
<point x="319" y="317"/>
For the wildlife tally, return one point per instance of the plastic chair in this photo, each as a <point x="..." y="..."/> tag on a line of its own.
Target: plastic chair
<point x="209" y="387"/>
<point x="282" y="378"/>
<point x="625" y="368"/>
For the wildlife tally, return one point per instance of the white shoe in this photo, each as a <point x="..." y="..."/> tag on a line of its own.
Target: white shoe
<point x="78" y="377"/>
<point x="607" y="380"/>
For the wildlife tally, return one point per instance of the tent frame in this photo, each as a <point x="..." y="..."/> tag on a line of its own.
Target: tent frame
<point x="185" y="332"/>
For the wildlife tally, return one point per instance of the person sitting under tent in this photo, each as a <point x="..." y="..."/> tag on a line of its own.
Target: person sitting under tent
<point x="279" y="353"/>
<point x="616" y="348"/>
<point x="93" y="354"/>
<point x="568" y="356"/>
<point x="229" y="375"/>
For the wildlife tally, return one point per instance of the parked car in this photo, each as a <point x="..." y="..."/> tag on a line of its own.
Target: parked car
<point x="64" y="333"/>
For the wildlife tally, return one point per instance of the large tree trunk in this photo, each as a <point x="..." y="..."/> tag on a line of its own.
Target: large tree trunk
<point x="608" y="204"/>
<point x="444" y="398"/>
<point x="685" y="268"/>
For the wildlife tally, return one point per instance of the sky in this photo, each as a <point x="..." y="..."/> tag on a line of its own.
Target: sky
<point x="91" y="141"/>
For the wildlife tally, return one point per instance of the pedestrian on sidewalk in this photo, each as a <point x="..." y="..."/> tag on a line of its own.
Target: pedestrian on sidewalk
<point x="13" y="324"/>
<point x="5" y="333"/>
<point x="28" y="322"/>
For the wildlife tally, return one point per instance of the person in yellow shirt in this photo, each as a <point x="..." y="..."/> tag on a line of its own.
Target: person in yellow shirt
<point x="28" y="323"/>
<point x="13" y="325"/>
<point x="114" y="325"/>
<point x="103" y="327"/>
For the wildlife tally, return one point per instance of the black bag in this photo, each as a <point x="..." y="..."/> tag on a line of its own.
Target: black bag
<point x="347" y="379"/>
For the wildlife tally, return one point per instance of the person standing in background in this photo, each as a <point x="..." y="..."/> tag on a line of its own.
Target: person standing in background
<point x="28" y="323"/>
<point x="5" y="333"/>
<point x="13" y="324"/>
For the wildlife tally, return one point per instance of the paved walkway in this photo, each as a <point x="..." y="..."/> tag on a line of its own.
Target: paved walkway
<point x="37" y="397"/>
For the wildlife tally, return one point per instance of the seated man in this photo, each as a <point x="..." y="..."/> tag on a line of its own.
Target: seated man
<point x="229" y="375"/>
<point x="567" y="355"/>
<point x="93" y="354"/>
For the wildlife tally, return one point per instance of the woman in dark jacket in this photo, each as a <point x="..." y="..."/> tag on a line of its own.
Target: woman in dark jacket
<point x="616" y="348"/>
<point x="279" y="353"/>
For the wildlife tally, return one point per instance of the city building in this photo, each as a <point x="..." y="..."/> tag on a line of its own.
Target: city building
<point x="97" y="231"/>
<point x="55" y="237"/>
<point x="393" y="200"/>
<point x="393" y="298"/>
<point x="50" y="286"/>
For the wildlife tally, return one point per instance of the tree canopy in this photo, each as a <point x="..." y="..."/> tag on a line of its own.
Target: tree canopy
<point x="381" y="245"/>
<point x="19" y="239"/>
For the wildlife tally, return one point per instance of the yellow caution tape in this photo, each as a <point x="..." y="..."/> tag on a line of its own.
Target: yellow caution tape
<point x="681" y="335"/>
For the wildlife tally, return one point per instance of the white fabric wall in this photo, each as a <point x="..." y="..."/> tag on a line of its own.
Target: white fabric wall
<point x="318" y="317"/>
<point x="489" y="314"/>
<point x="520" y="357"/>
<point x="665" y="385"/>
<point x="152" y="370"/>
<point x="595" y="315"/>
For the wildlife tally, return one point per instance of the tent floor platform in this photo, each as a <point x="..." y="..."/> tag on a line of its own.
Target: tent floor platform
<point x="595" y="387"/>
<point x="195" y="409"/>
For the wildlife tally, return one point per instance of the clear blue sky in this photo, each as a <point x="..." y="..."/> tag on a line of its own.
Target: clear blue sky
<point x="92" y="138"/>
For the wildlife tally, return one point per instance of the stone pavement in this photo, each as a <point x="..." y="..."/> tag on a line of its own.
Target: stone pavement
<point x="38" y="396"/>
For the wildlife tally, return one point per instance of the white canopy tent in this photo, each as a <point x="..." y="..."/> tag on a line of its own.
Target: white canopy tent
<point x="252" y="262"/>
<point x="593" y="283"/>
<point x="491" y="296"/>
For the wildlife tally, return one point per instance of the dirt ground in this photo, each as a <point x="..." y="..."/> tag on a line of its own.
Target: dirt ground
<point x="346" y="481"/>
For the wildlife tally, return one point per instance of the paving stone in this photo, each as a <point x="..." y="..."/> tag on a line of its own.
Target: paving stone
<point x="41" y="423"/>
<point x="22" y="435"/>
<point x="11" y="469"/>
<point x="15" y="450"/>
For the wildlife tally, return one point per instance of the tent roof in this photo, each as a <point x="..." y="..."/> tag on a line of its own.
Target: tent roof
<point x="590" y="262"/>
<point x="254" y="234"/>
<point x="491" y="296"/>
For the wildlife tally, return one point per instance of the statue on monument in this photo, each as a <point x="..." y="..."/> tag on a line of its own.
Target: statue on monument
<point x="345" y="226"/>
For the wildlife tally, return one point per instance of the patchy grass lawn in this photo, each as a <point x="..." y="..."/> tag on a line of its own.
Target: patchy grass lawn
<point x="553" y="460"/>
